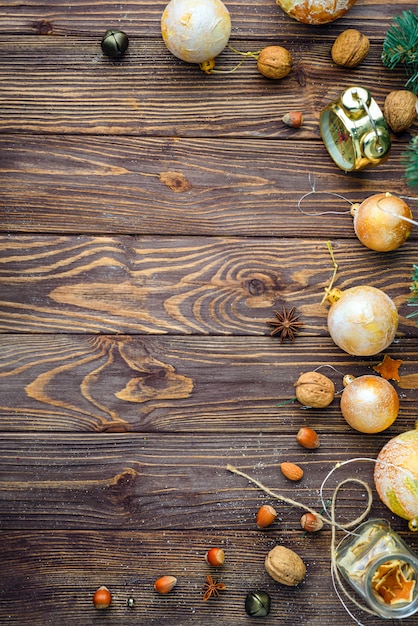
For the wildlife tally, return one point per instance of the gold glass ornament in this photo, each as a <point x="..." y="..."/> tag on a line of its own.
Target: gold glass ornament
<point x="354" y="130"/>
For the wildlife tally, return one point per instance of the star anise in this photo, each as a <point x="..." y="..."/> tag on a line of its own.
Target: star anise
<point x="212" y="588"/>
<point x="286" y="325"/>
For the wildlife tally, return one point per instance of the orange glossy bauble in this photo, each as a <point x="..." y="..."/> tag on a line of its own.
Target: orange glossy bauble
<point x="380" y="222"/>
<point x="396" y="476"/>
<point x="369" y="404"/>
<point x="315" y="11"/>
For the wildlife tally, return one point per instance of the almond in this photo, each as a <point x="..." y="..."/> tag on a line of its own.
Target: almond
<point x="291" y="471"/>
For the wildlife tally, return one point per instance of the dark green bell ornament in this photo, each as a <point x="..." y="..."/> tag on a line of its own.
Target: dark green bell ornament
<point x="114" y="43"/>
<point x="257" y="603"/>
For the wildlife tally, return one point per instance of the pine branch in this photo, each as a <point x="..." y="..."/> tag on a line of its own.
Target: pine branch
<point x="411" y="160"/>
<point x="413" y="300"/>
<point x="401" y="46"/>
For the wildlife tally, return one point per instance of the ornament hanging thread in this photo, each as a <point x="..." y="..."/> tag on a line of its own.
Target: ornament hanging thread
<point x="339" y="588"/>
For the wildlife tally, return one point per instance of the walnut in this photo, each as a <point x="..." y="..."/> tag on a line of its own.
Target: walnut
<point x="400" y="109"/>
<point x="315" y="390"/>
<point x="285" y="566"/>
<point x="350" y="48"/>
<point x="274" y="62"/>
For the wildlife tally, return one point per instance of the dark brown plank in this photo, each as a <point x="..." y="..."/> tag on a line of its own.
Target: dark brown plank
<point x="142" y="17"/>
<point x="179" y="385"/>
<point x="179" y="186"/>
<point x="145" y="93"/>
<point x="165" y="482"/>
<point x="150" y="229"/>
<point x="55" y="573"/>
<point x="184" y="285"/>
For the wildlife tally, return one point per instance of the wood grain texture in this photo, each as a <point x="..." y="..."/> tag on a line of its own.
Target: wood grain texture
<point x="179" y="186"/>
<point x="142" y="17"/>
<point x="165" y="482"/>
<point x="184" y="285"/>
<point x="53" y="574"/>
<point x="149" y="228"/>
<point x="69" y="87"/>
<point x="179" y="385"/>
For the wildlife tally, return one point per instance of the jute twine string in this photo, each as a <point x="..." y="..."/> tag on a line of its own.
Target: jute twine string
<point x="336" y="578"/>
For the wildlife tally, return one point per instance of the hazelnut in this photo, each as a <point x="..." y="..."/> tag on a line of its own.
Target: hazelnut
<point x="311" y="523"/>
<point x="285" y="566"/>
<point x="102" y="598"/>
<point x="294" y="119"/>
<point x="165" y="584"/>
<point x="400" y="109"/>
<point x="274" y="62"/>
<point x="215" y="557"/>
<point x="266" y="515"/>
<point x="315" y="390"/>
<point x="350" y="48"/>
<point x="308" y="438"/>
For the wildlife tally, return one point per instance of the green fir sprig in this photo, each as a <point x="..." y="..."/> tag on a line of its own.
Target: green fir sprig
<point x="413" y="300"/>
<point x="401" y="46"/>
<point x="411" y="161"/>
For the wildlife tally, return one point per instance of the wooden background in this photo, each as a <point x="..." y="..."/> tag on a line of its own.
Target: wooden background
<point x="150" y="227"/>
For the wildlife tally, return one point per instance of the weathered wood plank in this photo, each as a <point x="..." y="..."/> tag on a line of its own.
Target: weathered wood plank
<point x="214" y="187"/>
<point x="142" y="17"/>
<point x="125" y="384"/>
<point x="184" y="285"/>
<point x="55" y="573"/>
<point x="66" y="85"/>
<point x="164" y="482"/>
<point x="133" y="368"/>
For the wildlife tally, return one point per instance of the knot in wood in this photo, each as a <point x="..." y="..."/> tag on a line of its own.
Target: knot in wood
<point x="176" y="181"/>
<point x="43" y="27"/>
<point x="256" y="287"/>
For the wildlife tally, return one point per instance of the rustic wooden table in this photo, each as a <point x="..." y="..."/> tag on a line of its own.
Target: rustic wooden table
<point x="150" y="227"/>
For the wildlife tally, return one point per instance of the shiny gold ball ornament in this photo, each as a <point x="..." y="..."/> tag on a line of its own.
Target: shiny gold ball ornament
<point x="369" y="404"/>
<point x="257" y="603"/>
<point x="362" y="320"/>
<point x="396" y="476"/>
<point x="195" y="31"/>
<point x="315" y="11"/>
<point x="381" y="222"/>
<point x="114" y="43"/>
